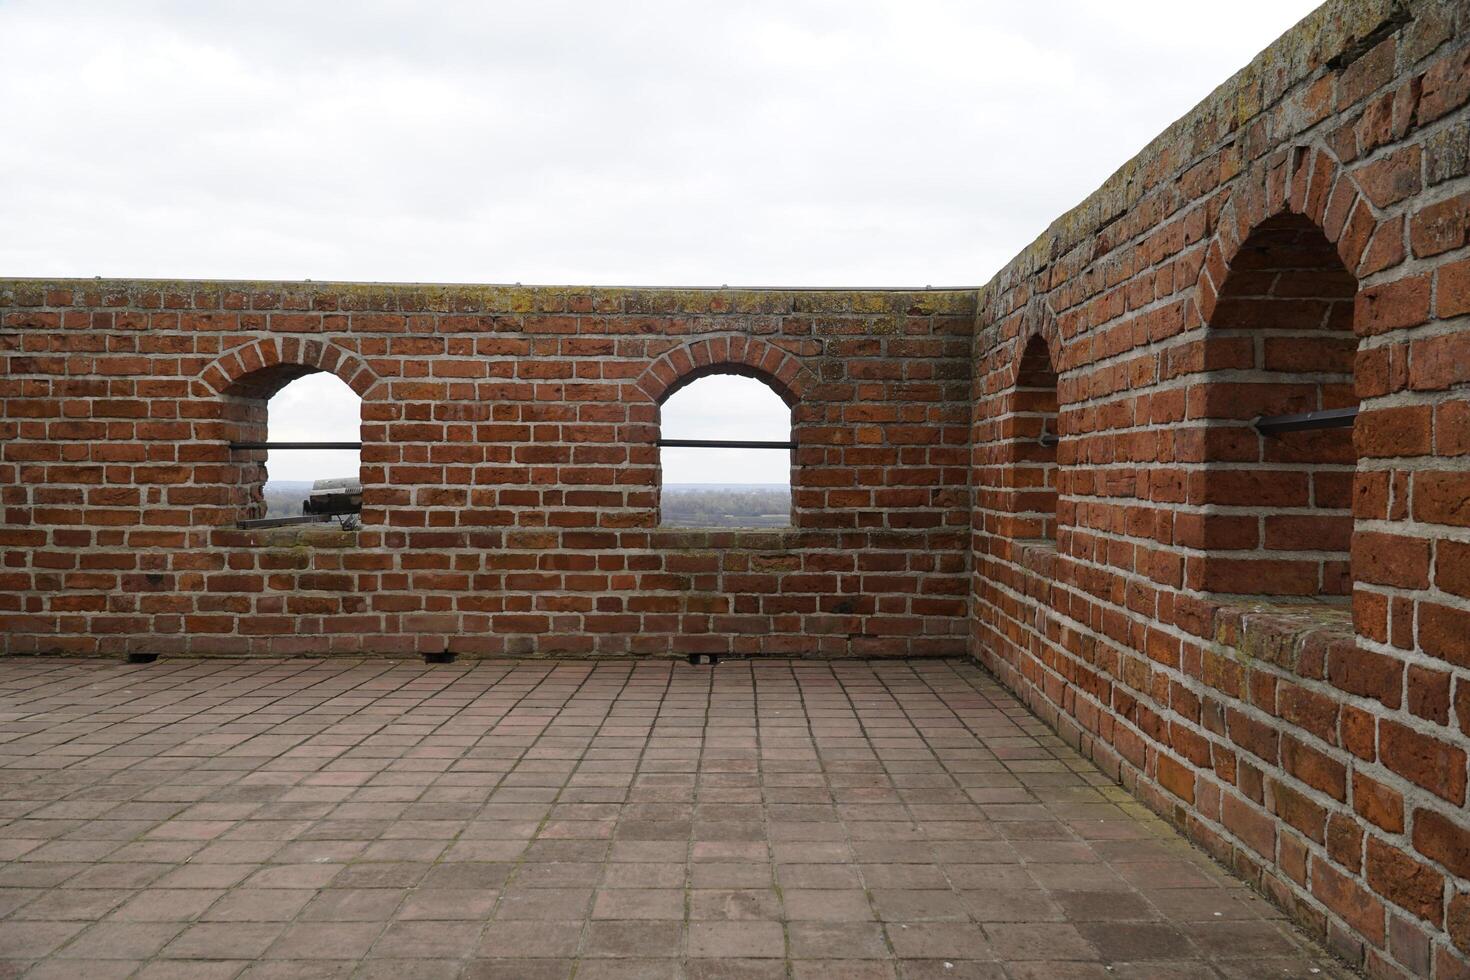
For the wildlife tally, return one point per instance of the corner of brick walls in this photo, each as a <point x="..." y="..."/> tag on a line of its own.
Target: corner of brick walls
<point x="511" y="491"/>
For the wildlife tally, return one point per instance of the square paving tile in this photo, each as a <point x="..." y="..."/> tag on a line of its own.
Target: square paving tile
<point x="323" y="819"/>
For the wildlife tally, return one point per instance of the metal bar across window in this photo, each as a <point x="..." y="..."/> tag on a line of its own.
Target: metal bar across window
<point x="1049" y="439"/>
<point x="1330" y="418"/>
<point x="295" y="445"/>
<point x="672" y="443"/>
<point x="724" y="444"/>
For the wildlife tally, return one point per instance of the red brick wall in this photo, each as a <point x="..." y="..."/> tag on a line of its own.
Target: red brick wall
<point x="1299" y="241"/>
<point x="509" y="466"/>
<point x="1125" y="584"/>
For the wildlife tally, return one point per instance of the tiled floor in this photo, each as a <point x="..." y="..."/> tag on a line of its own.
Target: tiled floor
<point x="303" y="818"/>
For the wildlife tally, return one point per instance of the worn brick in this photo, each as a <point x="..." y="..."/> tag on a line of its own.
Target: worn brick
<point x="1430" y="762"/>
<point x="1405" y="882"/>
<point x="1380" y="804"/>
<point x="1442" y="839"/>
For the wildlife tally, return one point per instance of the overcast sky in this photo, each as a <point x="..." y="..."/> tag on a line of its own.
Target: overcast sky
<point x="774" y="142"/>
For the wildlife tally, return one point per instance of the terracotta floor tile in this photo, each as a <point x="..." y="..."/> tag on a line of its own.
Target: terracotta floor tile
<point x="621" y="938"/>
<point x="530" y="938"/>
<point x="222" y="940"/>
<point x="639" y="903"/>
<point x="1039" y="941"/>
<point x="352" y="905"/>
<point x="58" y="969"/>
<point x="326" y="819"/>
<point x="167" y="904"/>
<point x="121" y="940"/>
<point x="919" y="905"/>
<point x="837" y="941"/>
<point x="448" y="903"/>
<point x="258" y="905"/>
<point x="734" y="904"/>
<point x="326" y="941"/>
<point x="736" y="939"/>
<point x="427" y="940"/>
<point x="511" y="968"/>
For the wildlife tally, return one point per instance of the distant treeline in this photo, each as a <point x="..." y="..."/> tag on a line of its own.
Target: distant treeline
<point x="283" y="497"/>
<point x="684" y="505"/>
<point x="747" y="505"/>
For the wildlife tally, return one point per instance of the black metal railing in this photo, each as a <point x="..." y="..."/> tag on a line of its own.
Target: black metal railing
<point x="1270" y="425"/>
<point x="670" y="443"/>
<point x="723" y="444"/>
<point x="1327" y="418"/>
<point x="295" y="445"/>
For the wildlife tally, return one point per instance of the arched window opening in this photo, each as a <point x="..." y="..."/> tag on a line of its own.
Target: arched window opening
<point x="1034" y="417"/>
<point x="721" y="480"/>
<point x="295" y="436"/>
<point x="1277" y="487"/>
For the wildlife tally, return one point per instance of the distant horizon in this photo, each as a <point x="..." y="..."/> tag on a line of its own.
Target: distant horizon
<point x="667" y="486"/>
<point x="719" y="484"/>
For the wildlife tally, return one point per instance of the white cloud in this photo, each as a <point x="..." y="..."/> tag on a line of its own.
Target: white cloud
<point x="316" y="408"/>
<point x="772" y="142"/>
<point x="645" y="142"/>
<point x="725" y="406"/>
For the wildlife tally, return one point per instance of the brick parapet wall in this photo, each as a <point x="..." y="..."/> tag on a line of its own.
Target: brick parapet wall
<point x="1320" y="749"/>
<point x="511" y="493"/>
<point x="510" y="472"/>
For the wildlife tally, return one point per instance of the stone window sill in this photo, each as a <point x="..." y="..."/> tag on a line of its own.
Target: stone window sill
<point x="1038" y="555"/>
<point x="1298" y="636"/>
<point x="301" y="535"/>
<point x="754" y="538"/>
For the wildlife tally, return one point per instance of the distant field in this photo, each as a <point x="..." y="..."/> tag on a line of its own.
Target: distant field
<point x="684" y="504"/>
<point x="726" y="505"/>
<point x="283" y="497"/>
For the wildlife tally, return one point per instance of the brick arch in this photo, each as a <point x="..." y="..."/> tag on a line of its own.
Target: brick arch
<point x="262" y="367"/>
<point x="1037" y="321"/>
<point x="1310" y="182"/>
<point x="1278" y="291"/>
<point x="747" y="356"/>
<point x="1031" y="400"/>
